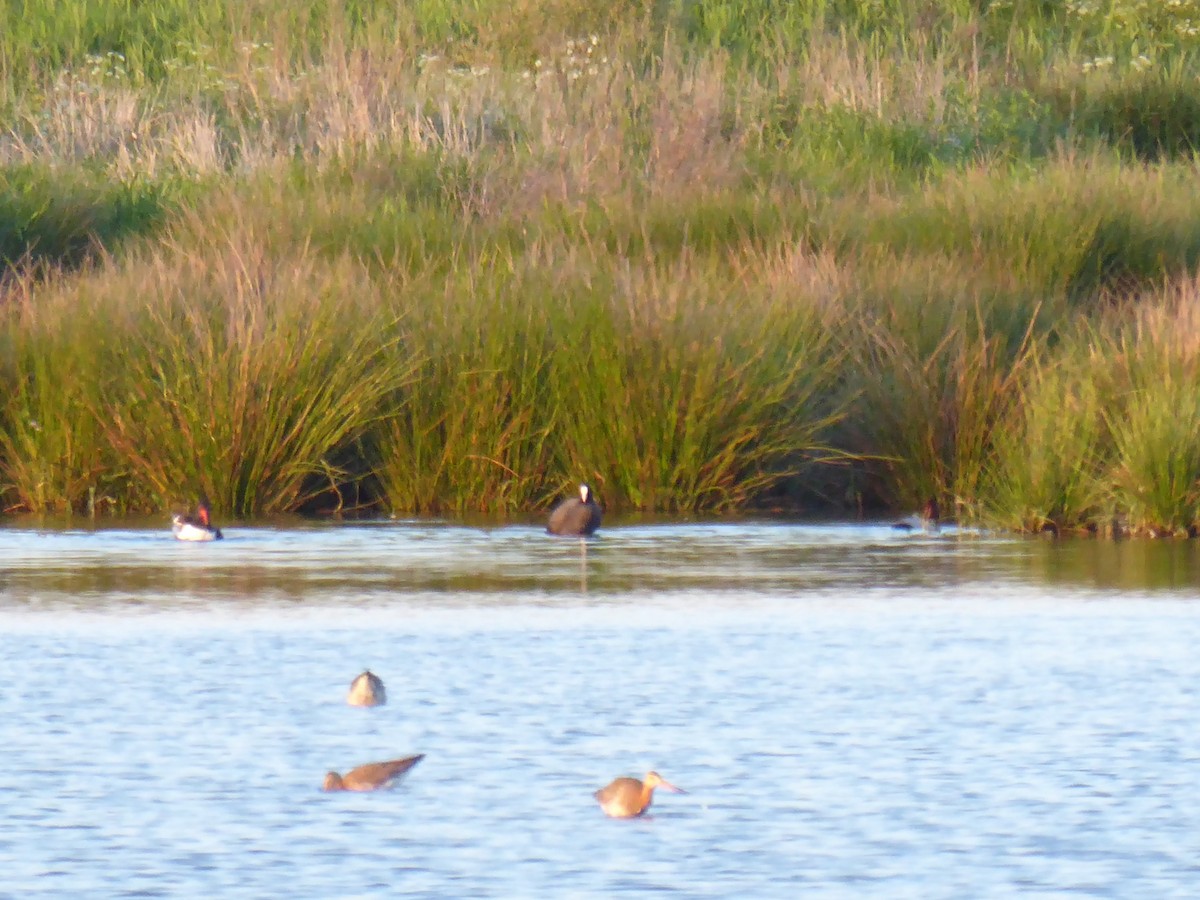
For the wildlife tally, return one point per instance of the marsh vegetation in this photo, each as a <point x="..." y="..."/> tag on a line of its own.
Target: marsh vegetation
<point x="705" y="256"/>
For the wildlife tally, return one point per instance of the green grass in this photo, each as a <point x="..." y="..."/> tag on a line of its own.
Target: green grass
<point x="472" y="432"/>
<point x="52" y="453"/>
<point x="249" y="380"/>
<point x="707" y="389"/>
<point x="934" y="378"/>
<point x="1046" y="471"/>
<point x="54" y="218"/>
<point x="705" y="255"/>
<point x="1154" y="475"/>
<point x="202" y="366"/>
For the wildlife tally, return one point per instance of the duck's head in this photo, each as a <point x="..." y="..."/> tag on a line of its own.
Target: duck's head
<point x="931" y="511"/>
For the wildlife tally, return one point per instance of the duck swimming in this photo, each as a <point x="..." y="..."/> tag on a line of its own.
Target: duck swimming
<point x="187" y="528"/>
<point x="625" y="798"/>
<point x="576" y="516"/>
<point x="372" y="776"/>
<point x="367" y="690"/>
<point x="926" y="521"/>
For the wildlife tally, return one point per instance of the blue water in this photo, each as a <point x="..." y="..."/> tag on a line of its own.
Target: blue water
<point x="854" y="712"/>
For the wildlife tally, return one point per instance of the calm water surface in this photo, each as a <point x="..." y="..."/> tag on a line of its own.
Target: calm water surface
<point x="855" y="712"/>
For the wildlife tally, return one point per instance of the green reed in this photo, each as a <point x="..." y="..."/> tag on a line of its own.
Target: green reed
<point x="52" y="452"/>
<point x="1154" y="477"/>
<point x="1047" y="467"/>
<point x="472" y="431"/>
<point x="249" y="377"/>
<point x="458" y="266"/>
<point x="685" y="387"/>
<point x="208" y="368"/>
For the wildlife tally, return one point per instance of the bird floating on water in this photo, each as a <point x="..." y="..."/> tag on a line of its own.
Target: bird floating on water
<point x="627" y="797"/>
<point x="367" y="690"/>
<point x="926" y="521"/>
<point x="372" y="776"/>
<point x="200" y="528"/>
<point x="578" y="516"/>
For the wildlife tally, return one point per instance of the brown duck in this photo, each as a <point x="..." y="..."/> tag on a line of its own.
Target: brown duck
<point x="372" y="776"/>
<point x="628" y="797"/>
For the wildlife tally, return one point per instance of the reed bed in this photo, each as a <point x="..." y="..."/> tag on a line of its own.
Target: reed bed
<point x="474" y="432"/>
<point x="387" y="255"/>
<point x="1047" y="470"/>
<point x="1154" y="476"/>
<point x="211" y="368"/>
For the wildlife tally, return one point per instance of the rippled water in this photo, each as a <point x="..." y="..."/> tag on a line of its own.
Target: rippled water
<point x="854" y="712"/>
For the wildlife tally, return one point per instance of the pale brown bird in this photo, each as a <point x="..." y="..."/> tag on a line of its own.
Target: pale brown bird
<point x="367" y="690"/>
<point x="372" y="776"/>
<point x="628" y="797"/>
<point x="576" y="516"/>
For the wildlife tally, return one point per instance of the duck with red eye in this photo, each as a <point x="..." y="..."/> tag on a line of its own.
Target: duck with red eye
<point x="198" y="527"/>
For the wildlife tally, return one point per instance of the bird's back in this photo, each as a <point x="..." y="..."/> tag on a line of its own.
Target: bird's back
<point x="574" y="517"/>
<point x="367" y="690"/>
<point x="380" y="774"/>
<point x="623" y="797"/>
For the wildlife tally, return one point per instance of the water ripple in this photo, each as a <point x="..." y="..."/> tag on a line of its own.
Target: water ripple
<point x="854" y="712"/>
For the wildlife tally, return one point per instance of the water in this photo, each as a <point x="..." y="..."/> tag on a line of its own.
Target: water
<point x="855" y="712"/>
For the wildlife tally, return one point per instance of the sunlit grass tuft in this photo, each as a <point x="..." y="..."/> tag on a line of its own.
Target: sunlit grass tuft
<point x="686" y="387"/>
<point x="52" y="451"/>
<point x="203" y="365"/>
<point x="472" y="431"/>
<point x="1048" y="461"/>
<point x="1155" y="475"/>
<point x="247" y="376"/>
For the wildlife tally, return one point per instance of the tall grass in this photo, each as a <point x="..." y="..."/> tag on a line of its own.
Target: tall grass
<point x="474" y="430"/>
<point x="1108" y="430"/>
<point x="52" y="452"/>
<point x="707" y="389"/>
<point x="250" y="376"/>
<point x="1046" y="472"/>
<point x="937" y="356"/>
<point x="203" y="365"/>
<point x="1079" y="228"/>
<point x="644" y="381"/>
<point x="1154" y="480"/>
<point x="441" y="260"/>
